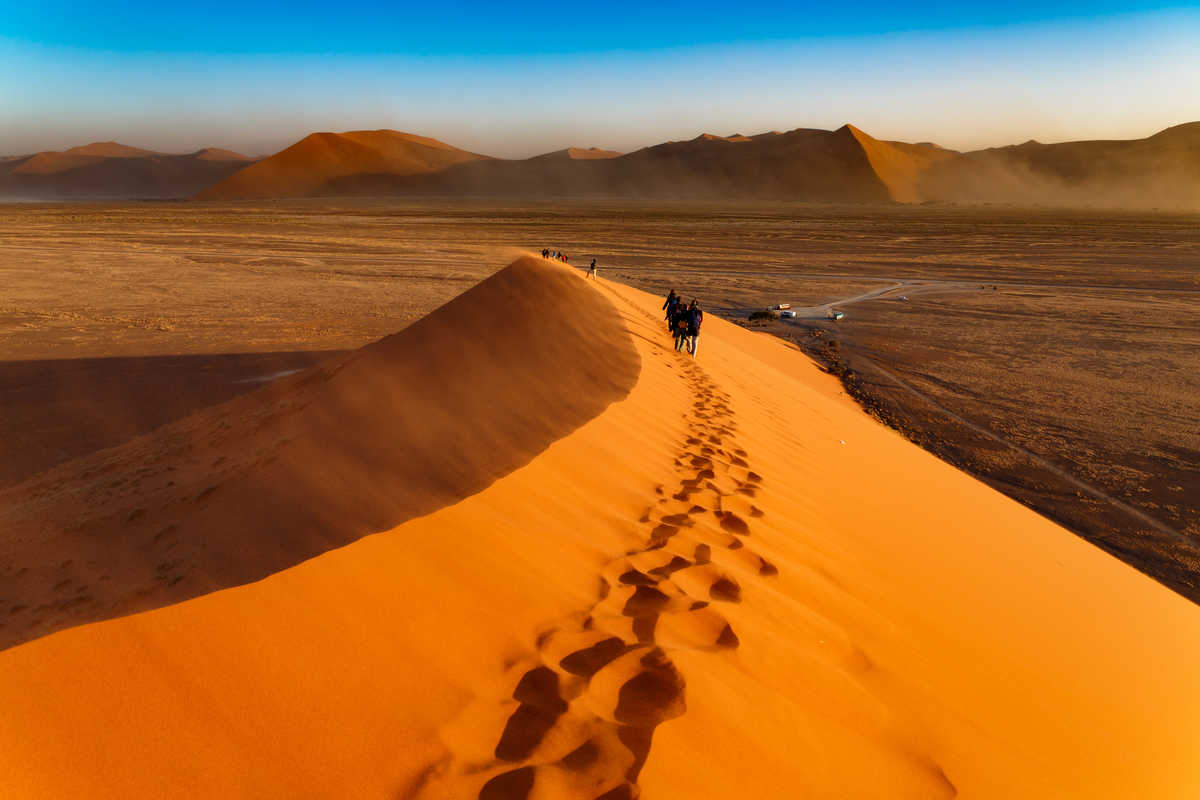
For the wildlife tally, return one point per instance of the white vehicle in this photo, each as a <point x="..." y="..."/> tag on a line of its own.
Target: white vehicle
<point x="787" y="314"/>
<point x="782" y="306"/>
<point x="837" y="314"/>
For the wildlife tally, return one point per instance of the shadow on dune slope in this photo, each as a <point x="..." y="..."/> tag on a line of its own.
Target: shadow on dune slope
<point x="404" y="426"/>
<point x="64" y="408"/>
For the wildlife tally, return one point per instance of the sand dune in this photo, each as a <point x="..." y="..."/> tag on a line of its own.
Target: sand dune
<point x="314" y="461"/>
<point x="899" y="165"/>
<point x="110" y="150"/>
<point x="112" y="170"/>
<point x="729" y="583"/>
<point x="1162" y="170"/>
<point x="571" y="153"/>
<point x="803" y="164"/>
<point x="307" y="166"/>
<point x="217" y="154"/>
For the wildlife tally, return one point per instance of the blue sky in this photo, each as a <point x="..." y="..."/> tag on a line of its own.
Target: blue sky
<point x="515" y="81"/>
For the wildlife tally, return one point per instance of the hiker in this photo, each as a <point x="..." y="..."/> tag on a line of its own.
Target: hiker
<point x="545" y="252"/>
<point x="592" y="269"/>
<point x="670" y="306"/>
<point x="694" y="317"/>
<point x="679" y="326"/>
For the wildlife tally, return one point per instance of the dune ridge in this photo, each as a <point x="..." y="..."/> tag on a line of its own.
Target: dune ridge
<point x="307" y="166"/>
<point x="579" y="153"/>
<point x="114" y="170"/>
<point x="110" y="150"/>
<point x="805" y="164"/>
<point x="846" y="165"/>
<point x="1160" y="170"/>
<point x="730" y="582"/>
<point x="899" y="165"/>
<point x="316" y="460"/>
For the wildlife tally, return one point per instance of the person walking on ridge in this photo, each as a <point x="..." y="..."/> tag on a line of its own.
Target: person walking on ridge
<point x="679" y="325"/>
<point x="671" y="306"/>
<point x="694" y="317"/>
<point x="592" y="269"/>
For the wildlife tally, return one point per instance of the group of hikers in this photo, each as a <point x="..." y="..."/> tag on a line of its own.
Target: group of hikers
<point x="556" y="255"/>
<point x="683" y="321"/>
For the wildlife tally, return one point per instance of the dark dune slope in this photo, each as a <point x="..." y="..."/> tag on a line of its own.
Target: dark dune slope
<point x="395" y="430"/>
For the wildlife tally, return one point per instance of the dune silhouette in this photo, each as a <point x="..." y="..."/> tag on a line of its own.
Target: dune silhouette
<point x="1160" y="170"/>
<point x="113" y="170"/>
<point x="844" y="165"/>
<point x="110" y="150"/>
<point x="308" y="165"/>
<point x="218" y="154"/>
<point x="805" y="164"/>
<point x="578" y="153"/>
<point x="898" y="165"/>
<point x="314" y="461"/>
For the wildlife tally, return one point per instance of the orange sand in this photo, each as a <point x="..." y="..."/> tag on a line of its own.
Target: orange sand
<point x="306" y="166"/>
<point x="878" y="625"/>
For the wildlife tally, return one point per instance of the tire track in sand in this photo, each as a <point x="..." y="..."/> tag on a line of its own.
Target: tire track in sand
<point x="580" y="716"/>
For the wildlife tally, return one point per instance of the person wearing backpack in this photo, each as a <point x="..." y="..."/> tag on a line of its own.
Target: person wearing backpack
<point x="671" y="306"/>
<point x="694" y="317"/>
<point x="679" y="326"/>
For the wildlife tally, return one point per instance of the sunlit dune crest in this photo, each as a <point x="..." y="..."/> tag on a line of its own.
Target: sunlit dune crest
<point x="695" y="578"/>
<point x="316" y="460"/>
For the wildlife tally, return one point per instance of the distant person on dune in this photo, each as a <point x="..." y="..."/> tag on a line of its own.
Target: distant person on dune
<point x="694" y="317"/>
<point x="592" y="269"/>
<point x="545" y="252"/>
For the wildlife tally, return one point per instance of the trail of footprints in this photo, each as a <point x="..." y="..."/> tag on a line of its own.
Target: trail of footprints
<point x="580" y="718"/>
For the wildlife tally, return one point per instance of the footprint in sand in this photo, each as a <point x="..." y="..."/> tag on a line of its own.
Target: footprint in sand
<point x="580" y="718"/>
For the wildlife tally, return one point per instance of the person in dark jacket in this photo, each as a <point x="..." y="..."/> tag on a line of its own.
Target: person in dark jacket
<point x="592" y="269"/>
<point x="679" y="323"/>
<point x="671" y="306"/>
<point x="694" y="317"/>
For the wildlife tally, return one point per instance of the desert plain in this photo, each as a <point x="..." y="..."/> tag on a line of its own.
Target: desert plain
<point x="601" y="568"/>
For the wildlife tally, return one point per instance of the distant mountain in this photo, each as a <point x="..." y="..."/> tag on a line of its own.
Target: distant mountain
<point x="112" y="170"/>
<point x="310" y="164"/>
<point x="1162" y="170"/>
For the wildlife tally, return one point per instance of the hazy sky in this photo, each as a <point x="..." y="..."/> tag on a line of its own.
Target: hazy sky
<point x="508" y="81"/>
